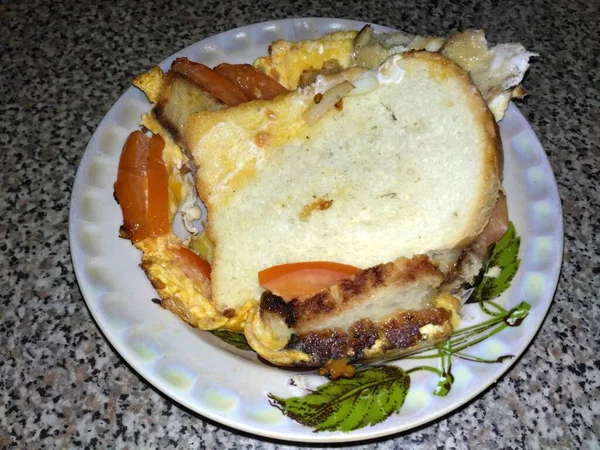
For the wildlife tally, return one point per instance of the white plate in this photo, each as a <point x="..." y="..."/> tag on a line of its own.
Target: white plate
<point x="196" y="369"/>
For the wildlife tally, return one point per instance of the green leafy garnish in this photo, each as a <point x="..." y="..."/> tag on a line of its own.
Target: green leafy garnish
<point x="238" y="340"/>
<point x="349" y="404"/>
<point x="500" y="268"/>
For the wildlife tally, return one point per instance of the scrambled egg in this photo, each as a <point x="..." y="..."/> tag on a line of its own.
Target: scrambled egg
<point x="150" y="83"/>
<point x="287" y="60"/>
<point x="177" y="291"/>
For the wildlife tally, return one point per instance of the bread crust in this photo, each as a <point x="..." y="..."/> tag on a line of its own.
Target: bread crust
<point x="172" y="82"/>
<point x="305" y="324"/>
<point x="367" y="340"/>
<point x="305" y="313"/>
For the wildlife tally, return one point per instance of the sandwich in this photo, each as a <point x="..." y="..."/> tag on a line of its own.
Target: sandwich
<point x="347" y="208"/>
<point x="395" y="181"/>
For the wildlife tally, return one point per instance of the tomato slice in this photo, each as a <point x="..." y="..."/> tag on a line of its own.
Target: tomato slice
<point x="211" y="81"/>
<point x="295" y="280"/>
<point x="130" y="187"/>
<point x="158" y="189"/>
<point x="193" y="266"/>
<point x="254" y="83"/>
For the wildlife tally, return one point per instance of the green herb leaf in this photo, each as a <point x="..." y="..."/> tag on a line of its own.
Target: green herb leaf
<point x="368" y="398"/>
<point x="238" y="340"/>
<point x="500" y="268"/>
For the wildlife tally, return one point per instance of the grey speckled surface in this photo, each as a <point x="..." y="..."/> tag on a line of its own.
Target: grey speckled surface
<point x="64" y="64"/>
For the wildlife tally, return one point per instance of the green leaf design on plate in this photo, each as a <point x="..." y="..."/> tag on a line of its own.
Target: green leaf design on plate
<point x="517" y="314"/>
<point x="500" y="268"/>
<point x="238" y="340"/>
<point x="444" y="385"/>
<point x="368" y="398"/>
<point x="446" y="378"/>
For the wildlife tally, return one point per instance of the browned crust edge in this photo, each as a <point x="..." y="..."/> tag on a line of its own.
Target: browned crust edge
<point x="399" y="335"/>
<point x="351" y="291"/>
<point x="364" y="339"/>
<point x="169" y="78"/>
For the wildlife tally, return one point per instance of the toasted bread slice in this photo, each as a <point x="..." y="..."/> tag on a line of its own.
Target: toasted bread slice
<point x="407" y="167"/>
<point x="175" y="98"/>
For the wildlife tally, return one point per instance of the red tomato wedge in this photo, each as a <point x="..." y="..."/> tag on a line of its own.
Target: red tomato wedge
<point x="158" y="190"/>
<point x="192" y="265"/>
<point x="295" y="280"/>
<point x="211" y="81"/>
<point x="131" y="184"/>
<point x="142" y="187"/>
<point x="254" y="83"/>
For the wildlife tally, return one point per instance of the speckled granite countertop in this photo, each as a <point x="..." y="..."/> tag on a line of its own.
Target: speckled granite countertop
<point x="65" y="63"/>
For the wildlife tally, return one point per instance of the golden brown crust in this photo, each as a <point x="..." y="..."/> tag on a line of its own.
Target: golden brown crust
<point x="398" y="335"/>
<point x="178" y="98"/>
<point x="160" y="107"/>
<point x="306" y="325"/>
<point x="356" y="289"/>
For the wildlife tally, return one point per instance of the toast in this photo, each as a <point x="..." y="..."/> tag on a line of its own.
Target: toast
<point x="411" y="167"/>
<point x="406" y="165"/>
<point x="391" y="309"/>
